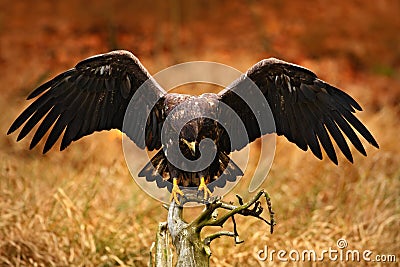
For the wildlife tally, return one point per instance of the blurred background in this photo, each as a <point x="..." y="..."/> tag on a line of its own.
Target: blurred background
<point x="80" y="207"/>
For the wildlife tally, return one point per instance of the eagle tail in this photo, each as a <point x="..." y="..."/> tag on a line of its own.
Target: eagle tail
<point x="221" y="171"/>
<point x="157" y="170"/>
<point x="226" y="170"/>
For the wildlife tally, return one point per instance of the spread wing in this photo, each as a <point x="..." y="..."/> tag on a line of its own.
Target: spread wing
<point x="92" y="96"/>
<point x="305" y="109"/>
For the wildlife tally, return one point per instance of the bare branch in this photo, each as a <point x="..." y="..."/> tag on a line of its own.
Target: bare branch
<point x="206" y="214"/>
<point x="242" y="210"/>
<point x="237" y="239"/>
<point x="211" y="237"/>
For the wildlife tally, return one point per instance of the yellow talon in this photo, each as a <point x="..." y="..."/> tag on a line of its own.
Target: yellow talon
<point x="203" y="187"/>
<point x="175" y="191"/>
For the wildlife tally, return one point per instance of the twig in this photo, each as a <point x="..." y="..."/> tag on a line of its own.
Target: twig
<point x="237" y="240"/>
<point x="211" y="237"/>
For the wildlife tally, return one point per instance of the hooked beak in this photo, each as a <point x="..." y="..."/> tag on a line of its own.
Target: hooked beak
<point x="191" y="146"/>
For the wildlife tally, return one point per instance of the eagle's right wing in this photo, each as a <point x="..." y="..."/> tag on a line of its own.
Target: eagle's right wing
<point x="92" y="96"/>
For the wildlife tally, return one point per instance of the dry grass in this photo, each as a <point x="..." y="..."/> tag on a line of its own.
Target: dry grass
<point x="81" y="207"/>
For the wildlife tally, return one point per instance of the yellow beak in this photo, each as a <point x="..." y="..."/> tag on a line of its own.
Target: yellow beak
<point x="191" y="146"/>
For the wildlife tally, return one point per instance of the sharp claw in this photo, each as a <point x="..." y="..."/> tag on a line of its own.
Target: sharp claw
<point x="203" y="187"/>
<point x="175" y="191"/>
<point x="176" y="199"/>
<point x="208" y="193"/>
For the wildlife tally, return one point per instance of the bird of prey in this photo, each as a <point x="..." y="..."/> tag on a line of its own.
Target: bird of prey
<point x="95" y="94"/>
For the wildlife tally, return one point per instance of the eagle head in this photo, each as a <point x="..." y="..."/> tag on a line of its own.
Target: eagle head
<point x="189" y="139"/>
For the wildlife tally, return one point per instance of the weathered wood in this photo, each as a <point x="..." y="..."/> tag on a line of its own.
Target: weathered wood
<point x="191" y="250"/>
<point x="163" y="253"/>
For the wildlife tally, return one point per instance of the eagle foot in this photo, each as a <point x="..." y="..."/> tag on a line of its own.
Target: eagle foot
<point x="175" y="191"/>
<point x="203" y="187"/>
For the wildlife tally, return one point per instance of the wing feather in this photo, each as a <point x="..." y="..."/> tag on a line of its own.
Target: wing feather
<point x="310" y="134"/>
<point x="339" y="139"/>
<point x="307" y="111"/>
<point x="45" y="125"/>
<point x="92" y="96"/>
<point x="34" y="119"/>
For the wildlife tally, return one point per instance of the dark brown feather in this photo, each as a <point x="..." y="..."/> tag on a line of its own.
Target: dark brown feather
<point x="117" y="74"/>
<point x="303" y="106"/>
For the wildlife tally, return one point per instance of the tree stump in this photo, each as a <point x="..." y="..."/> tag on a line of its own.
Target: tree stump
<point x="191" y="250"/>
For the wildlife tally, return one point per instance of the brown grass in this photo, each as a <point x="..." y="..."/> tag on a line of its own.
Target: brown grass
<point x="80" y="207"/>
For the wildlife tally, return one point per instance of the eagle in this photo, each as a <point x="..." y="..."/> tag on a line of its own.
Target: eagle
<point x="95" y="95"/>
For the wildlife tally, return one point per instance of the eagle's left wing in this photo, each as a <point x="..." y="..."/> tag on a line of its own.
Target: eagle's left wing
<point x="304" y="108"/>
